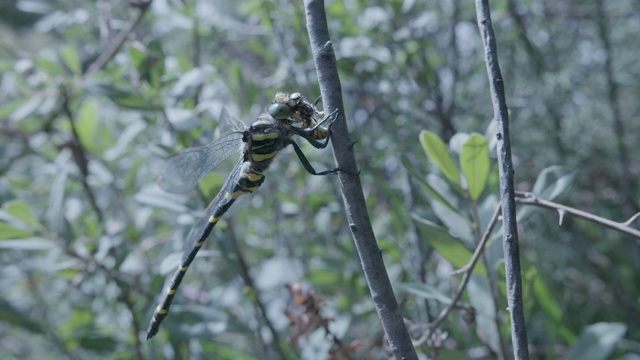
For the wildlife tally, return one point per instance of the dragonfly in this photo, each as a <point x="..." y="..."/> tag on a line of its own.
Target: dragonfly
<point x="258" y="144"/>
<point x="300" y="110"/>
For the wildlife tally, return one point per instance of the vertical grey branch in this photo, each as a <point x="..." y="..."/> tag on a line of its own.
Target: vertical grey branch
<point x="353" y="196"/>
<point x="618" y="126"/>
<point x="509" y="225"/>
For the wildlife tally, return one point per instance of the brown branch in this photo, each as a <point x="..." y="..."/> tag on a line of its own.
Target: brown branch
<point x="352" y="194"/>
<point x="618" y="126"/>
<point x="79" y="155"/>
<point x="502" y="350"/>
<point x="505" y="166"/>
<point x="248" y="282"/>
<point x="623" y="227"/>
<point x="467" y="270"/>
<point x="113" y="48"/>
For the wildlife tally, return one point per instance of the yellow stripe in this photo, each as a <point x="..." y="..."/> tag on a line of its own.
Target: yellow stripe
<point x="171" y="291"/>
<point x="251" y="177"/>
<point x="252" y="189"/>
<point x="161" y="311"/>
<point x="199" y="244"/>
<point x="214" y="219"/>
<point x="183" y="268"/>
<point x="268" y="136"/>
<point x="262" y="157"/>
<point x="255" y="147"/>
<point x="261" y="122"/>
<point x="238" y="193"/>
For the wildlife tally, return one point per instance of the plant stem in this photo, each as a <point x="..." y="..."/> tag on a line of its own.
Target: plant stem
<point x="507" y="191"/>
<point x="352" y="194"/>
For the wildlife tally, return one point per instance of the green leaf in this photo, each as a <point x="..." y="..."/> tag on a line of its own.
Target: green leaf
<point x="436" y="150"/>
<point x="70" y="57"/>
<point x="11" y="232"/>
<point x="430" y="189"/>
<point x="27" y="108"/>
<point x="156" y="63"/>
<point x="452" y="249"/>
<point x="29" y="244"/>
<point x="86" y="125"/>
<point x="50" y="67"/>
<point x="138" y="59"/>
<point x="21" y="211"/>
<point x="552" y="181"/>
<point x="18" y="318"/>
<point x="482" y="300"/>
<point x="425" y="291"/>
<point x="474" y="161"/>
<point x="125" y="97"/>
<point x="596" y="341"/>
<point x="9" y="108"/>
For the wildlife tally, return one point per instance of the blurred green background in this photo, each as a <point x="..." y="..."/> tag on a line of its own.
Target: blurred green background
<point x="87" y="238"/>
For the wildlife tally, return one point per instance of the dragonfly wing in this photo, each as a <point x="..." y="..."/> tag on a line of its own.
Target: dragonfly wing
<point x="228" y="120"/>
<point x="184" y="170"/>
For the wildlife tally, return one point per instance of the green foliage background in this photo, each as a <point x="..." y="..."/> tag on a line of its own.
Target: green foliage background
<point x="87" y="239"/>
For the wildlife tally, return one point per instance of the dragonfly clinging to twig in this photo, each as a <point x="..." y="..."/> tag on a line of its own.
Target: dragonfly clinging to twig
<point x="259" y="144"/>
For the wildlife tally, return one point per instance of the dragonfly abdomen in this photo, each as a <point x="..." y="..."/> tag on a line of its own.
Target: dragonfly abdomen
<point x="249" y="180"/>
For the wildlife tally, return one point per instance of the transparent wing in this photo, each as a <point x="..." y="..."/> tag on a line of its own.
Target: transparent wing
<point x="184" y="170"/>
<point x="196" y="234"/>
<point x="229" y="121"/>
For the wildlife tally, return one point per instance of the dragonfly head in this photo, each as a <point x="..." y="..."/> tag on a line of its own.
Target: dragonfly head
<point x="280" y="111"/>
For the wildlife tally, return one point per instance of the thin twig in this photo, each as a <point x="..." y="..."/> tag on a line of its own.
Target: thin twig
<point x="112" y="49"/>
<point x="352" y="194"/>
<point x="626" y="179"/>
<point x="80" y="155"/>
<point x="502" y="350"/>
<point x="248" y="282"/>
<point x="505" y="165"/>
<point x="623" y="227"/>
<point x="467" y="270"/>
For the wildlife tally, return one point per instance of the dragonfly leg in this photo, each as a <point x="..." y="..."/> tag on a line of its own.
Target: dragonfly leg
<point x="307" y="134"/>
<point x="312" y="129"/>
<point x="307" y="165"/>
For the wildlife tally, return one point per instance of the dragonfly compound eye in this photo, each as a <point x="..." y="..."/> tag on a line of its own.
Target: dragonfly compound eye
<point x="279" y="111"/>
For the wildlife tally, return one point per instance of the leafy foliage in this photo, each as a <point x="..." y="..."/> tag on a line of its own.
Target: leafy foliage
<point x="87" y="238"/>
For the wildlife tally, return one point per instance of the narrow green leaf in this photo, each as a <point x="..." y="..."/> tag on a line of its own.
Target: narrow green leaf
<point x="156" y="63"/>
<point x="70" y="57"/>
<point x="596" y="341"/>
<point x="437" y="151"/>
<point x="86" y="125"/>
<point x="482" y="300"/>
<point x="50" y="67"/>
<point x="552" y="181"/>
<point x="452" y="249"/>
<point x="474" y="161"/>
<point x="11" y="232"/>
<point x="21" y="211"/>
<point x="425" y="291"/>
<point x="18" y="318"/>
<point x="138" y="59"/>
<point x="430" y="189"/>
<point x="123" y="96"/>
<point x="29" y="244"/>
<point x="26" y="108"/>
<point x="9" y="108"/>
